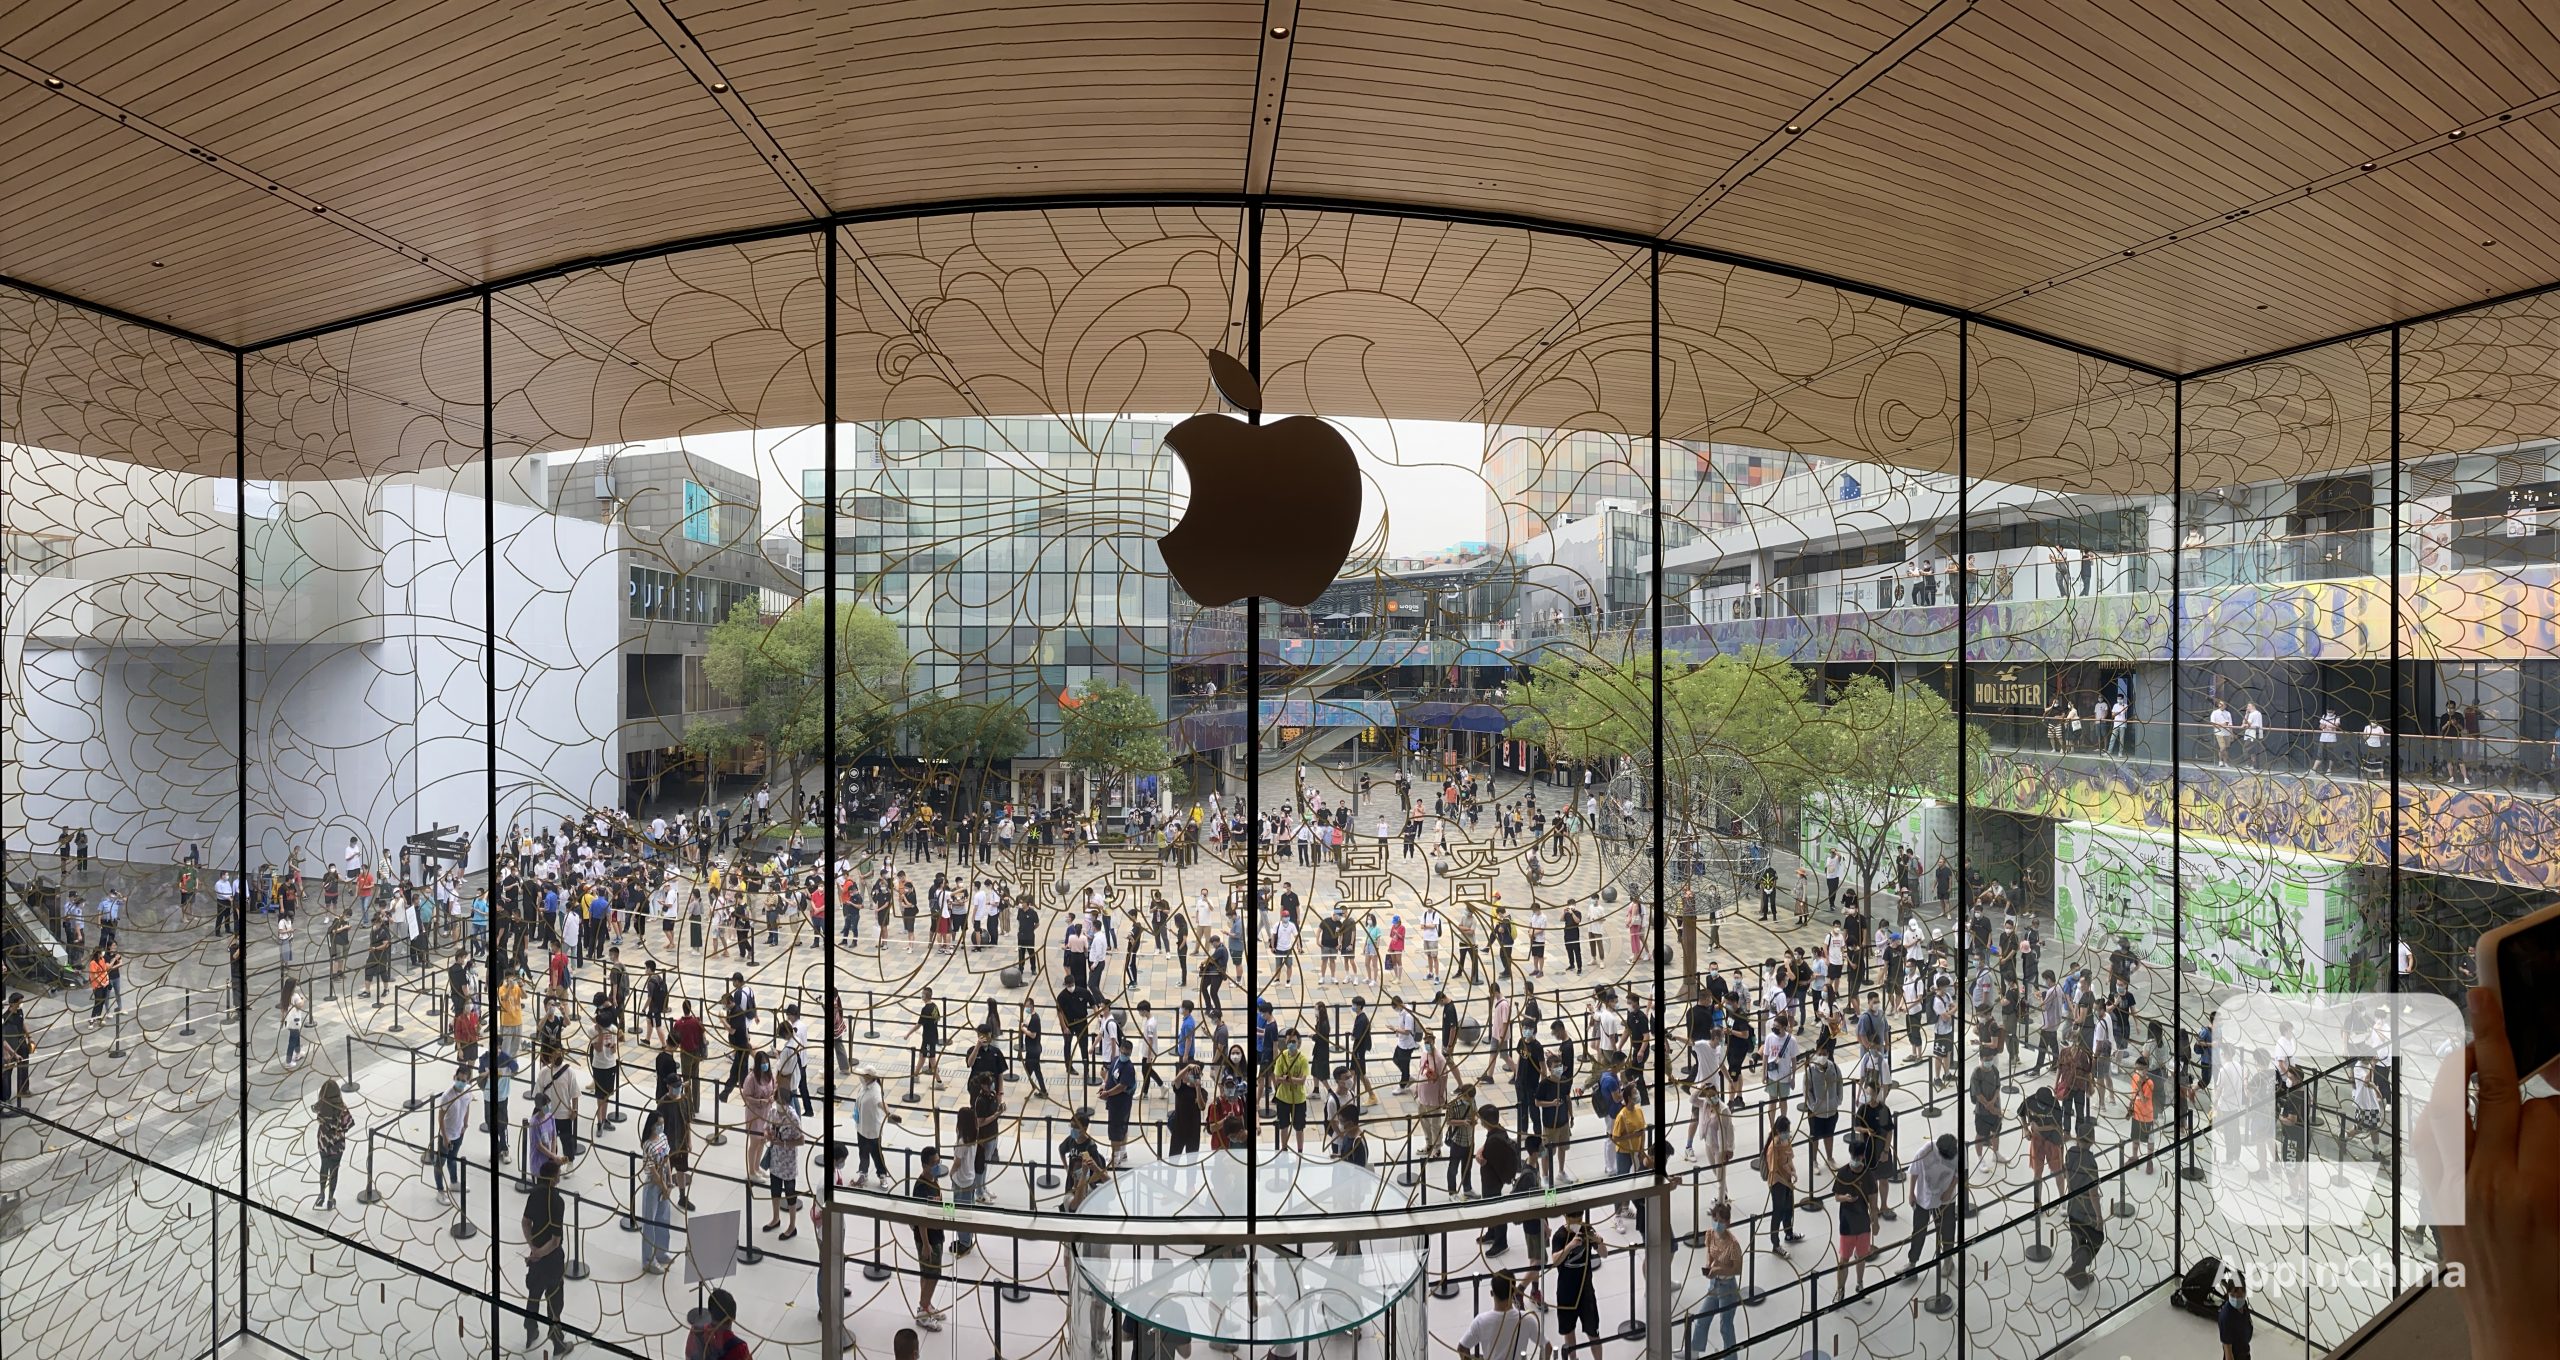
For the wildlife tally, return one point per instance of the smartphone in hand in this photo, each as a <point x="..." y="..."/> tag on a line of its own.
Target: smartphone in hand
<point x="2521" y="962"/>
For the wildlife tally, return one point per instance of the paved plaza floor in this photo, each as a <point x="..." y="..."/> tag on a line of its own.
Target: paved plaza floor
<point x="166" y="1080"/>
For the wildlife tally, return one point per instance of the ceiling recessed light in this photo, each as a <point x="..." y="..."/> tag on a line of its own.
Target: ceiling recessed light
<point x="2262" y="306"/>
<point x="2486" y="244"/>
<point x="2456" y="133"/>
<point x="1795" y="127"/>
<point x="159" y="264"/>
<point x="2128" y="254"/>
<point x="1279" y="30"/>
<point x="719" y="87"/>
<point x="2505" y="116"/>
<point x="318" y="209"/>
<point x="2367" y="166"/>
<point x="53" y="82"/>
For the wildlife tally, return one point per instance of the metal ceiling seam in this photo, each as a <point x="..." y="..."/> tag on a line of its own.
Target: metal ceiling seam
<point x="1270" y="93"/>
<point x="1843" y="88"/>
<point x="2502" y="120"/>
<point x="138" y="124"/>
<point x="698" y="63"/>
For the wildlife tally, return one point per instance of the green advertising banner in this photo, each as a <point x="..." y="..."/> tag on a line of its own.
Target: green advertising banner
<point x="2257" y="918"/>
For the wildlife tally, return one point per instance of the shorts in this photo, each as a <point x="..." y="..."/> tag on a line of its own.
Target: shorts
<point x="1119" y="1123"/>
<point x="929" y="1262"/>
<point x="1821" y="1125"/>
<point x="2141" y="1130"/>
<point x="1290" y="1114"/>
<point x="1856" y="1247"/>
<point x="1579" y="1308"/>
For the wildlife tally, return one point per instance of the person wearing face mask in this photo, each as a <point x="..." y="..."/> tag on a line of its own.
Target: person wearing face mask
<point x="1722" y="1266"/>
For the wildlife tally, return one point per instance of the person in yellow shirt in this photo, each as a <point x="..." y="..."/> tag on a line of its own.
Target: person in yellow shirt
<point x="1289" y="1095"/>
<point x="511" y="1012"/>
<point x="1628" y="1153"/>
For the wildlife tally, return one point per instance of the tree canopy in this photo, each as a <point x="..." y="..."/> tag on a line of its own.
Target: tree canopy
<point x="1108" y="730"/>
<point x="1881" y="751"/>
<point x="1735" y="731"/>
<point x="962" y="731"/>
<point x="1743" y="737"/>
<point x="775" y="675"/>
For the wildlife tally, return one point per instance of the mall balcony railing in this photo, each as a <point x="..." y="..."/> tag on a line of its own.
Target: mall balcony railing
<point x="2215" y="560"/>
<point x="2490" y="760"/>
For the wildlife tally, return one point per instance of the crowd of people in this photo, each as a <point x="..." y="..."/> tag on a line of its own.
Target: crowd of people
<point x="618" y="963"/>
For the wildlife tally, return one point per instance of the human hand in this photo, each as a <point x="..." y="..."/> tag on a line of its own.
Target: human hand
<point x="2508" y="1244"/>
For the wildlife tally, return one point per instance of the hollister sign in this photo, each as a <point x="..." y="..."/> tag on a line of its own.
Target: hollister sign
<point x="2016" y="687"/>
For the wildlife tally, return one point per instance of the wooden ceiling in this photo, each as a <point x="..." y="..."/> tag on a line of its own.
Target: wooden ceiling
<point x="2179" y="183"/>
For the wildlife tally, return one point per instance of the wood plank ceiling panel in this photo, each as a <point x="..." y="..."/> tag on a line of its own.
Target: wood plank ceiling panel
<point x="2031" y="140"/>
<point x="906" y="101"/>
<point x="94" y="205"/>
<point x="2461" y="225"/>
<point x="1614" y="113"/>
<point x="492" y="138"/>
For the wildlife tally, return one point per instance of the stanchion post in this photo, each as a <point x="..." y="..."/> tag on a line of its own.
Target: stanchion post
<point x="631" y="1205"/>
<point x="2036" y="1251"/>
<point x="187" y="1015"/>
<point x="748" y="1251"/>
<point x="463" y="1229"/>
<point x="576" y="1266"/>
<point x="413" y="1102"/>
<point x="369" y="1195"/>
<point x="717" y="1138"/>
<point x="874" y="1270"/>
<point x="347" y="1082"/>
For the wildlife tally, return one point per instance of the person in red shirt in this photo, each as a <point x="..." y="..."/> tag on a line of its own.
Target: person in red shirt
<point x="714" y="1334"/>
<point x="686" y="1038"/>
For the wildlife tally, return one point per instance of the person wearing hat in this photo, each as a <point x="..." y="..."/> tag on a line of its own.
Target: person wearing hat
<point x="714" y="1334"/>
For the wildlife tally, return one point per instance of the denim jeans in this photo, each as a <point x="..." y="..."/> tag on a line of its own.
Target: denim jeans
<point x="657" y="1224"/>
<point x="1724" y="1298"/>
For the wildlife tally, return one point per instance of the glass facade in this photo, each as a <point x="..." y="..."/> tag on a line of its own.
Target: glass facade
<point x="719" y="725"/>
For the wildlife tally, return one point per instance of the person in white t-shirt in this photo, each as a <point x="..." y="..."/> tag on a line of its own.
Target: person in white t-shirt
<point x="2326" y="748"/>
<point x="2253" y="736"/>
<point x="2221" y="721"/>
<point x="1503" y="1332"/>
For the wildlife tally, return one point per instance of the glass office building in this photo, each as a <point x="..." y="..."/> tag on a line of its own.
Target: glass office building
<point x="2003" y="568"/>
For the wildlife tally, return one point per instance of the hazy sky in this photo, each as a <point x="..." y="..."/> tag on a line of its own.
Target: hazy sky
<point x="1424" y="476"/>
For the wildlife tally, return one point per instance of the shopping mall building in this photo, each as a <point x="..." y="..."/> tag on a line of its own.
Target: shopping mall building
<point x="1940" y="493"/>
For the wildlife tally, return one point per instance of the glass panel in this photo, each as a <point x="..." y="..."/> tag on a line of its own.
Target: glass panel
<point x="2068" y="528"/>
<point x="317" y="1294"/>
<point x="111" y="1256"/>
<point x="1033" y="846"/>
<point x="2474" y="613"/>
<point x="369" y="777"/>
<point x="655" y="676"/>
<point x="1811" y="487"/>
<point x="2284" y="615"/>
<point x="120" y="807"/>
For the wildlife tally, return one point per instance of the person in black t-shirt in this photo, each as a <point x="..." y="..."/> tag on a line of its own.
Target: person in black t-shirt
<point x="545" y="1224"/>
<point x="1497" y="1166"/>
<point x="2233" y="1321"/>
<point x="1575" y="1252"/>
<point x="928" y="1239"/>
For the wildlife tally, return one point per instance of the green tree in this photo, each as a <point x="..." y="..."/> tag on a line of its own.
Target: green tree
<point x="774" y="674"/>
<point x="1736" y="731"/>
<point x="970" y="735"/>
<point x="1879" y="753"/>
<point x="1109" y="731"/>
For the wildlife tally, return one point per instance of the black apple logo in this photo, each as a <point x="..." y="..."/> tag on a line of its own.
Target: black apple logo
<point x="1273" y="507"/>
